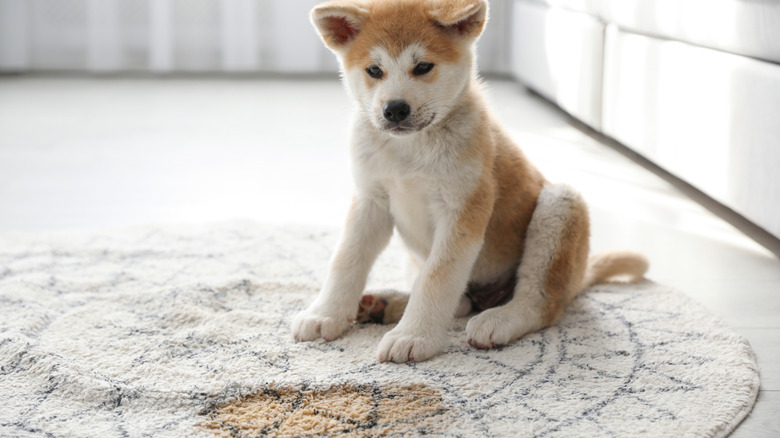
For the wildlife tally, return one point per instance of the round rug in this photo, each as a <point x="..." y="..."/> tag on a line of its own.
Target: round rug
<point x="175" y="331"/>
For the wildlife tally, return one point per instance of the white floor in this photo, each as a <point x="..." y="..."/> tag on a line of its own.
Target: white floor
<point x="86" y="153"/>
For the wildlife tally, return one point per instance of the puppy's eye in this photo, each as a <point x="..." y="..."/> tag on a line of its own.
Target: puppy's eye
<point x="375" y="72"/>
<point x="422" y="68"/>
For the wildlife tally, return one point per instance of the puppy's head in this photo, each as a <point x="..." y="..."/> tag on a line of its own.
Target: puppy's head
<point x="404" y="61"/>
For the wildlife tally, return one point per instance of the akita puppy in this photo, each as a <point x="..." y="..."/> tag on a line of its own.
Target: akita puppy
<point x="484" y="229"/>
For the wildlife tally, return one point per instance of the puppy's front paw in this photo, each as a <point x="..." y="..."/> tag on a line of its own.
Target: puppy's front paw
<point x="309" y="325"/>
<point x="403" y="345"/>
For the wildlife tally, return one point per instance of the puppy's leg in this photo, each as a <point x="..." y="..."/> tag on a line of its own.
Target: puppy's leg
<point x="551" y="270"/>
<point x="367" y="231"/>
<point x="387" y="306"/>
<point x="422" y="331"/>
<point x="413" y="268"/>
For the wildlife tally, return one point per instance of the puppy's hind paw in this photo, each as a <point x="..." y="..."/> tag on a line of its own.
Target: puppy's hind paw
<point x="382" y="307"/>
<point x="496" y="327"/>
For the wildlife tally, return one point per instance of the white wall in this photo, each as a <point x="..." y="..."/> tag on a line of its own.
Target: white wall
<point x="182" y="35"/>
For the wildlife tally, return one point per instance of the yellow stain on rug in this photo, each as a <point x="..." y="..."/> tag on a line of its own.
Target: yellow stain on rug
<point x="347" y="410"/>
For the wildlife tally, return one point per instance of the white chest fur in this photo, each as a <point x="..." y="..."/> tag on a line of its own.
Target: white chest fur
<point x="410" y="202"/>
<point x="421" y="178"/>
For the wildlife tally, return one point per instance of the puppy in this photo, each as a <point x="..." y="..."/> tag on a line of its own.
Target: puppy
<point x="482" y="226"/>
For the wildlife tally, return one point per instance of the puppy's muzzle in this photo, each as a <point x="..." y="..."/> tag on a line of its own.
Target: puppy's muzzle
<point x="396" y="111"/>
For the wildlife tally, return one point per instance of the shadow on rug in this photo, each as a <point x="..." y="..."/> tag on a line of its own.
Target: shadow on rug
<point x="171" y="332"/>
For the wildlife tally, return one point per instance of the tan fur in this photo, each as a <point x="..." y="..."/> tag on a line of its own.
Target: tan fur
<point x="567" y="268"/>
<point x="518" y="184"/>
<point x="606" y="266"/>
<point x="472" y="210"/>
<point x="396" y="24"/>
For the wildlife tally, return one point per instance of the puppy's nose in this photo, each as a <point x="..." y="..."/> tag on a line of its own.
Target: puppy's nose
<point x="396" y="111"/>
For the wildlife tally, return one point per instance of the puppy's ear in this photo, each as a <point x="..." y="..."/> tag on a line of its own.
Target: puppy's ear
<point x="461" y="18"/>
<point x="338" y="23"/>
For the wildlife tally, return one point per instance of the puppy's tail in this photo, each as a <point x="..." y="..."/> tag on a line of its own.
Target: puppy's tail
<point x="605" y="266"/>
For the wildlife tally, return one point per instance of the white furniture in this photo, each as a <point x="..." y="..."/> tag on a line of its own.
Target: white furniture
<point x="692" y="85"/>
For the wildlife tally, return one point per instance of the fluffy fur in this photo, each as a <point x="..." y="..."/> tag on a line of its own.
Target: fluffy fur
<point x="471" y="209"/>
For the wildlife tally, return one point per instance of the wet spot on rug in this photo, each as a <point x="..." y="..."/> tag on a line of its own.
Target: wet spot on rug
<point x="348" y="410"/>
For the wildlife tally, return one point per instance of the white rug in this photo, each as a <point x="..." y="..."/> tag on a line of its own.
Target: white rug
<point x="172" y="332"/>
